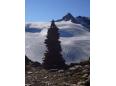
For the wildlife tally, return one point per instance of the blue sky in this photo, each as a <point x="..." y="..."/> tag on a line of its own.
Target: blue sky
<point x="46" y="10"/>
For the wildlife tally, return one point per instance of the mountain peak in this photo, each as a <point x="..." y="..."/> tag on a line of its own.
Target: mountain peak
<point x="69" y="14"/>
<point x="85" y="21"/>
<point x="68" y="17"/>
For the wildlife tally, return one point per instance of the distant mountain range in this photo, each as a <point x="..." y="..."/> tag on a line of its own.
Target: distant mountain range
<point x="85" y="21"/>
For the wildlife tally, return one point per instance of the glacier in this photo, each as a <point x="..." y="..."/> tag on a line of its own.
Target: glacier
<point x="75" y="41"/>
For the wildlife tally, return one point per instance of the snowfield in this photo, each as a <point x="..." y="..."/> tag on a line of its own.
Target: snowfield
<point x="75" y="41"/>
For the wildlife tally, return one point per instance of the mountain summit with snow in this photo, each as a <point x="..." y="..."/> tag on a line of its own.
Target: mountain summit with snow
<point x="85" y="21"/>
<point x="74" y="37"/>
<point x="69" y="17"/>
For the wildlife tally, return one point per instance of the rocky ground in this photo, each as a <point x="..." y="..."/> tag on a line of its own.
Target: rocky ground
<point x="75" y="75"/>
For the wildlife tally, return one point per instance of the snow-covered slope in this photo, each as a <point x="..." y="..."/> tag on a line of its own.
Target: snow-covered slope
<point x="74" y="41"/>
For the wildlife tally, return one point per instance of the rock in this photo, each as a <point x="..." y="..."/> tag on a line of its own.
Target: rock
<point x="85" y="70"/>
<point x="85" y="75"/>
<point x="29" y="72"/>
<point x="60" y="71"/>
<point x="28" y="76"/>
<point x="86" y="66"/>
<point x="53" y="70"/>
<point x="81" y="83"/>
<point x="47" y="83"/>
<point x="68" y="84"/>
<point x="27" y="84"/>
<point x="45" y="77"/>
<point x="77" y="66"/>
<point x="72" y="68"/>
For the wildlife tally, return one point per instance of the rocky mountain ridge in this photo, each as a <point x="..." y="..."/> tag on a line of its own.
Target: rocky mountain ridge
<point x="85" y="21"/>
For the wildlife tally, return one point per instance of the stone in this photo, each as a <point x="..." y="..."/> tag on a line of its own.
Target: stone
<point x="45" y="77"/>
<point x="72" y="68"/>
<point x="53" y="70"/>
<point x="29" y="72"/>
<point x="85" y="75"/>
<point x="27" y="84"/>
<point x="60" y="71"/>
